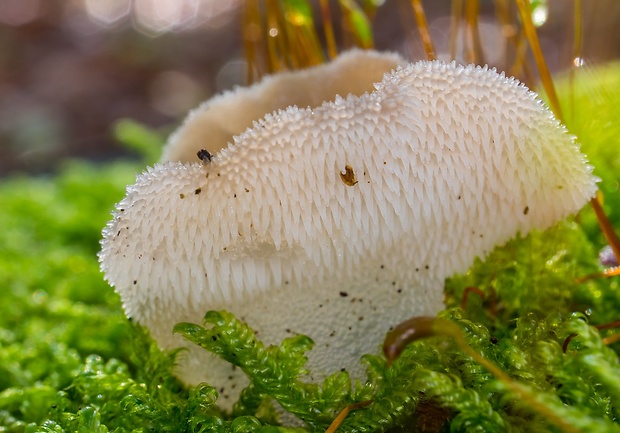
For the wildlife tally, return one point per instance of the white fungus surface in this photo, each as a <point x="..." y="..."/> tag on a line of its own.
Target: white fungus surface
<point x="450" y="161"/>
<point x="213" y="124"/>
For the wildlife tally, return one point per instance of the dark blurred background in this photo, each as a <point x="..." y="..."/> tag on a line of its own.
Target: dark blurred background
<point x="69" y="69"/>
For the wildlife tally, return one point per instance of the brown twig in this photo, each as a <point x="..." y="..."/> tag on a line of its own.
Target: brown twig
<point x="425" y="34"/>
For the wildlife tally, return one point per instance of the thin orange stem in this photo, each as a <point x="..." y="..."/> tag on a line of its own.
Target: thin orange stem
<point x="606" y="341"/>
<point x="252" y="37"/>
<point x="343" y="414"/>
<point x="609" y="340"/>
<point x="328" y="28"/>
<point x="467" y="292"/>
<point x="577" y="44"/>
<point x="273" y="36"/>
<point x="543" y="70"/>
<point x="425" y="34"/>
<point x="455" y="25"/>
<point x="473" y="54"/>
<point x="607" y="273"/>
<point x="605" y="225"/>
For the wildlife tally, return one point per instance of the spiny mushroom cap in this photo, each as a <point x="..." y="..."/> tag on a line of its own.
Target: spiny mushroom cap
<point x="214" y="123"/>
<point x="340" y="221"/>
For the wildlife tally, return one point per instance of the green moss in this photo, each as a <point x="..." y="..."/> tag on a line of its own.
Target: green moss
<point x="70" y="361"/>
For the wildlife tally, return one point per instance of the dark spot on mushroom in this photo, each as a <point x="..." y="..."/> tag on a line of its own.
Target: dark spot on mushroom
<point x="399" y="291"/>
<point x="198" y="191"/>
<point x="247" y="190"/>
<point x="426" y="267"/>
<point x="344" y="294"/>
<point x="417" y="269"/>
<point x="320" y="305"/>
<point x="382" y="266"/>
<point x="182" y="196"/>
<point x="118" y="233"/>
<point x="343" y="369"/>
<point x="207" y="175"/>
<point x="221" y="390"/>
<point x="122" y="210"/>
<point x="360" y="318"/>
<point x="286" y="282"/>
<point x="204" y="155"/>
<point x="350" y="328"/>
<point x="459" y="197"/>
<point x="331" y="334"/>
<point x="234" y="195"/>
<point x="384" y="163"/>
<point x="218" y="175"/>
<point x="135" y="281"/>
<point x="348" y="177"/>
<point x="560" y="187"/>
<point x="526" y="210"/>
<point x="393" y="283"/>
<point x="288" y="330"/>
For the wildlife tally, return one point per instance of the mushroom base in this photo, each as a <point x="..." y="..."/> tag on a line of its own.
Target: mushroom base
<point x="345" y="322"/>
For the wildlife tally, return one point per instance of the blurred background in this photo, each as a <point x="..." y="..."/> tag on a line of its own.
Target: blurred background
<point x="70" y="69"/>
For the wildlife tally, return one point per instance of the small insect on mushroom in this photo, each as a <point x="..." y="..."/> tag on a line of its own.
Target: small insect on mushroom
<point x="204" y="155"/>
<point x="448" y="153"/>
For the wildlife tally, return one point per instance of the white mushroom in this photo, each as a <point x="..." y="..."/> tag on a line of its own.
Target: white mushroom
<point x="342" y="220"/>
